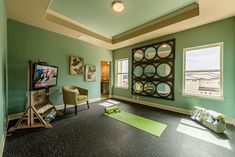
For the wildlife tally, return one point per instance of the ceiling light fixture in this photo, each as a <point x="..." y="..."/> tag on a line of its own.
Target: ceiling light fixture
<point x="118" y="6"/>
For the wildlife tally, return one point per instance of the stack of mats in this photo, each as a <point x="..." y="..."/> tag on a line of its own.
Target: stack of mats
<point x="112" y="109"/>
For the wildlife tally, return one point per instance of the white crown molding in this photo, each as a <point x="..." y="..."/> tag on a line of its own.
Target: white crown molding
<point x="33" y="13"/>
<point x="172" y="18"/>
<point x="164" y="21"/>
<point x="51" y="12"/>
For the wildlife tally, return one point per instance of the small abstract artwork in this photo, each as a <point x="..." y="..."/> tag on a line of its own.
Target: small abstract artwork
<point x="90" y="73"/>
<point x="76" y="65"/>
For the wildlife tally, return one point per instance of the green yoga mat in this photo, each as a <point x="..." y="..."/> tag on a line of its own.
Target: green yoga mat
<point x="147" y="125"/>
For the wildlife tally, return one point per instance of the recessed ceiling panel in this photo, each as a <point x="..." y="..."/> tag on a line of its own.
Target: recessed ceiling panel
<point x="99" y="16"/>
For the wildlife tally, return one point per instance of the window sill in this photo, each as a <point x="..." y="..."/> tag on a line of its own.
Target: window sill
<point x="204" y="97"/>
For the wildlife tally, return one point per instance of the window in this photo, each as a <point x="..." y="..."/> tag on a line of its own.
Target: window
<point x="122" y="73"/>
<point x="203" y="71"/>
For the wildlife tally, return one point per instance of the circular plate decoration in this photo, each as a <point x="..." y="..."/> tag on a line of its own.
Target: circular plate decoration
<point x="138" y="87"/>
<point x="163" y="89"/>
<point x="149" y="88"/>
<point x="138" y="71"/>
<point x="163" y="70"/>
<point x="149" y="70"/>
<point x="150" y="53"/>
<point x="164" y="50"/>
<point x="138" y="55"/>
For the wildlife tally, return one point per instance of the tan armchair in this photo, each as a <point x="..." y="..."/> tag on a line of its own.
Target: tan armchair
<point x="73" y="95"/>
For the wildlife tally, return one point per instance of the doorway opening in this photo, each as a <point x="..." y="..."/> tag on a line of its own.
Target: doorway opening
<point x="105" y="79"/>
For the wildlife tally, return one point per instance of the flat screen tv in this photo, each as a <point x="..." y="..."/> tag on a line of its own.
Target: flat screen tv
<point x="45" y="76"/>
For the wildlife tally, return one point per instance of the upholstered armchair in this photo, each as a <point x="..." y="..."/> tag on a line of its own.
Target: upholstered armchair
<point x="73" y="95"/>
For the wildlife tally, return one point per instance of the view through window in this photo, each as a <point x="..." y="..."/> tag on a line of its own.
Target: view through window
<point x="122" y="73"/>
<point x="203" y="71"/>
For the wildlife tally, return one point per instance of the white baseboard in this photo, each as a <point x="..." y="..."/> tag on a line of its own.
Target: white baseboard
<point x="58" y="107"/>
<point x="110" y="96"/>
<point x="2" y="144"/>
<point x="94" y="100"/>
<point x="14" y="116"/>
<point x="161" y="106"/>
<point x="228" y="120"/>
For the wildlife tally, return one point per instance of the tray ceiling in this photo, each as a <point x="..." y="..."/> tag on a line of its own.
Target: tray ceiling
<point x="95" y="22"/>
<point x="99" y="16"/>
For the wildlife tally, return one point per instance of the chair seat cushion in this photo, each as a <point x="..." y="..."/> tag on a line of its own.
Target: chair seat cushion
<point x="82" y="97"/>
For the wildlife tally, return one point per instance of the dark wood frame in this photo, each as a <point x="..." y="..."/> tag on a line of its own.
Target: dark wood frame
<point x="155" y="61"/>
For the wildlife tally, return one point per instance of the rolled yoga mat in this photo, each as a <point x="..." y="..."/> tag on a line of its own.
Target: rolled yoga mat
<point x="147" y="125"/>
<point x="112" y="109"/>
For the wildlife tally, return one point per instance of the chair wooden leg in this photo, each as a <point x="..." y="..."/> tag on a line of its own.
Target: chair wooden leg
<point x="87" y="103"/>
<point x="64" y="108"/>
<point x="76" y="109"/>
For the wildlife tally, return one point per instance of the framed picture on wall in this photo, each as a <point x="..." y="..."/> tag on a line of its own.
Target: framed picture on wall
<point x="90" y="73"/>
<point x="76" y="65"/>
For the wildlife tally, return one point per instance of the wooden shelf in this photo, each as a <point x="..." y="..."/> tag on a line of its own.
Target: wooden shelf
<point x="40" y="106"/>
<point x="47" y="112"/>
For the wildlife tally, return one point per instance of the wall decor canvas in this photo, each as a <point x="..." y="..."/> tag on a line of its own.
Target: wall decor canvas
<point x="76" y="65"/>
<point x="90" y="73"/>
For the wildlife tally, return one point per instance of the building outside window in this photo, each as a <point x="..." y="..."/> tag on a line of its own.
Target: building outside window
<point x="203" y="75"/>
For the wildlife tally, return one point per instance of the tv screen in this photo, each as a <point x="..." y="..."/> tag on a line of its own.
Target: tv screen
<point x="44" y="76"/>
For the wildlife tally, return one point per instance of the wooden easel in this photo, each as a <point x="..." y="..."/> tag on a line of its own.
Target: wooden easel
<point x="31" y="118"/>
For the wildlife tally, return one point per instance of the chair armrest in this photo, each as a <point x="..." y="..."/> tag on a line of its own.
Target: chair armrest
<point x="69" y="97"/>
<point x="82" y="91"/>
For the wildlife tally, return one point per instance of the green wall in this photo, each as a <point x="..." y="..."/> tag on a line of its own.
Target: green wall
<point x="30" y="43"/>
<point x="221" y="31"/>
<point x="26" y="42"/>
<point x="3" y="68"/>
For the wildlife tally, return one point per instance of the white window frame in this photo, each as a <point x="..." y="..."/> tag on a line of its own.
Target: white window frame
<point x="221" y="45"/>
<point x="116" y="73"/>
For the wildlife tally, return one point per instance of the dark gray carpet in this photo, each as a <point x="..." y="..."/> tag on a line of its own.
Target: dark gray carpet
<point x="91" y="134"/>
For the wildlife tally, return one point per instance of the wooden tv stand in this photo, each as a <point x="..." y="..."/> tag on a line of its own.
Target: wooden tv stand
<point x="38" y="107"/>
